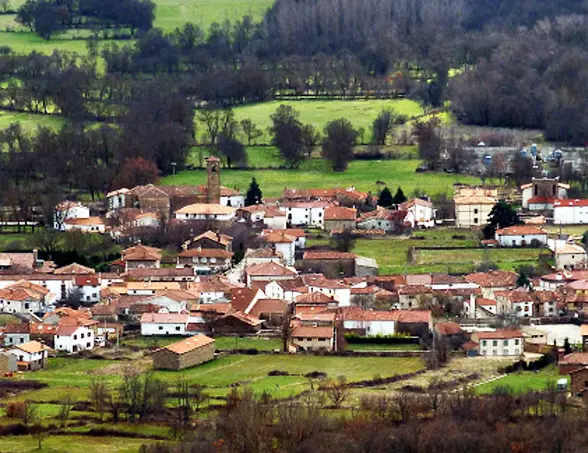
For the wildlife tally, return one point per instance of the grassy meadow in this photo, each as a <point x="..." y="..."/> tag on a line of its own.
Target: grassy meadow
<point x="361" y="113"/>
<point x="316" y="173"/>
<point x="524" y="381"/>
<point x="392" y="253"/>
<point x="29" y="121"/>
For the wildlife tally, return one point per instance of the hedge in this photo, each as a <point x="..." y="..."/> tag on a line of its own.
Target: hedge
<point x="381" y="339"/>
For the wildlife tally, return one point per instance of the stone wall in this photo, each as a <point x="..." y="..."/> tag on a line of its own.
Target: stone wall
<point x="167" y="360"/>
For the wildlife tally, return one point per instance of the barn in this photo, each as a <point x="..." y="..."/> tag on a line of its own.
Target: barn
<point x="184" y="354"/>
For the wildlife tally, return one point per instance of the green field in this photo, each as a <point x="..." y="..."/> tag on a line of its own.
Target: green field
<point x="361" y="113"/>
<point x="29" y="121"/>
<point x="316" y="173"/>
<point x="524" y="381"/>
<point x="222" y="343"/>
<point x="391" y="253"/>
<point x="73" y="376"/>
<point x="170" y="14"/>
<point x="507" y="259"/>
<point x="383" y="347"/>
<point x="72" y="444"/>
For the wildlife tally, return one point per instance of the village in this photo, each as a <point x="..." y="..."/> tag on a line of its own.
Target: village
<point x="303" y="298"/>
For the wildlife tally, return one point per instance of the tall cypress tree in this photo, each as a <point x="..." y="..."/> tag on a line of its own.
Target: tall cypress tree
<point x="386" y="200"/>
<point x="254" y="195"/>
<point x="399" y="197"/>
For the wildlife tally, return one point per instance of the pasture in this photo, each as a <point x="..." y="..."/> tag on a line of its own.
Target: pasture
<point x="361" y="113"/>
<point x="316" y="173"/>
<point x="29" y="121"/>
<point x="523" y="381"/>
<point x="392" y="253"/>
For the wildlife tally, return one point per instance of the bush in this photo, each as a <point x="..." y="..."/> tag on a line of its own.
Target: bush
<point x="316" y="375"/>
<point x="15" y="409"/>
<point x="381" y="339"/>
<point x="278" y="373"/>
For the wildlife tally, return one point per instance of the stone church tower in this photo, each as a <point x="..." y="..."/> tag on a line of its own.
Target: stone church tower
<point x="213" y="191"/>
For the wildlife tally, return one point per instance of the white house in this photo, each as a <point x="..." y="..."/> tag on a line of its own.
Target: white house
<point x="500" y="342"/>
<point x="282" y="243"/>
<point x="68" y="210"/>
<point x="118" y="199"/>
<point x="203" y="211"/>
<point x="231" y="198"/>
<point x="23" y="297"/>
<point x="567" y="212"/>
<point x="473" y="206"/>
<point x="369" y="322"/>
<point x="86" y="225"/>
<point x="306" y="213"/>
<point x="521" y="235"/>
<point x="570" y="256"/>
<point x="420" y="212"/>
<point x="87" y="287"/>
<point x="73" y="338"/>
<point x="338" y="291"/>
<point x="165" y="303"/>
<point x="164" y="324"/>
<point x="275" y="219"/>
<point x="31" y="355"/>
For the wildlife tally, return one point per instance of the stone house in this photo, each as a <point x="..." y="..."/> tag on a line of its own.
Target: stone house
<point x="237" y="323"/>
<point x="8" y="363"/>
<point x="141" y="256"/>
<point x="205" y="261"/>
<point x="572" y="362"/>
<point x="184" y="354"/>
<point x="331" y="264"/>
<point x="340" y="218"/>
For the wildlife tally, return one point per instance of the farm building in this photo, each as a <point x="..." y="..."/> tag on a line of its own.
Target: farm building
<point x="184" y="354"/>
<point x="7" y="363"/>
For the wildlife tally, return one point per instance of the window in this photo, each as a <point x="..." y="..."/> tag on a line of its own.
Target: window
<point x="309" y="339"/>
<point x="178" y="328"/>
<point x="75" y="337"/>
<point x="516" y="342"/>
<point x="495" y="343"/>
<point x="26" y="306"/>
<point x="160" y="327"/>
<point x="495" y="352"/>
<point x="82" y="335"/>
<point x="475" y="220"/>
<point x="505" y="342"/>
<point x="506" y="352"/>
<point x="88" y="345"/>
<point x="475" y="211"/>
<point x="89" y="334"/>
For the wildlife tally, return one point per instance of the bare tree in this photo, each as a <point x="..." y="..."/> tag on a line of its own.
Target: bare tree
<point x="99" y="396"/>
<point x="65" y="407"/>
<point x="338" y="391"/>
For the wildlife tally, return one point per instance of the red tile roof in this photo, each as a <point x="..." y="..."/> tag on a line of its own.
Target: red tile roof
<point x="206" y="253"/>
<point x="448" y="328"/>
<point x="86" y="280"/>
<point x="328" y="255"/>
<point x="141" y="253"/>
<point x="189" y="344"/>
<point x="519" y="230"/>
<point x="576" y="358"/>
<point x="499" y="335"/>
<point x="165" y="318"/>
<point x="340" y="213"/>
<point x="541" y="200"/>
<point x="315" y="297"/>
<point x="269" y="269"/>
<point x="493" y="279"/>
<point x="268" y="306"/>
<point x="312" y="332"/>
<point x="241" y="298"/>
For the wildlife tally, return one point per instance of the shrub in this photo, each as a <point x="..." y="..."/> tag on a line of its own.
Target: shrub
<point x="15" y="409"/>
<point x="316" y="375"/>
<point x="278" y="373"/>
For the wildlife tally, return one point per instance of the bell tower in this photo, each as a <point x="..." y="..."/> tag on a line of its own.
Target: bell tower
<point x="213" y="181"/>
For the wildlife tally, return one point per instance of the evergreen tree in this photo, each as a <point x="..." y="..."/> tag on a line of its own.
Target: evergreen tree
<point x="399" y="197"/>
<point x="386" y="200"/>
<point x="567" y="346"/>
<point x="502" y="215"/>
<point x="523" y="281"/>
<point x="254" y="195"/>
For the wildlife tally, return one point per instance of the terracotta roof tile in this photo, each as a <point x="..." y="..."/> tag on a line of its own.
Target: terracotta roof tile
<point x="269" y="269"/>
<point x="520" y="230"/>
<point x="328" y="255"/>
<point x="312" y="332"/>
<point x="499" y="335"/>
<point x="340" y="213"/>
<point x="189" y="344"/>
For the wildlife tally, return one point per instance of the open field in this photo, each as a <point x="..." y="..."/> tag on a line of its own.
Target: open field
<point x="507" y="259"/>
<point x="73" y="444"/>
<point x="170" y="14"/>
<point x="29" y="121"/>
<point x="361" y="113"/>
<point x="383" y="347"/>
<point x="572" y="230"/>
<point x="392" y="252"/>
<point x="524" y="381"/>
<point x="73" y="376"/>
<point x="317" y="173"/>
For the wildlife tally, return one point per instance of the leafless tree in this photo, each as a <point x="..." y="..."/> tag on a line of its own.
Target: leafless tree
<point x="337" y="391"/>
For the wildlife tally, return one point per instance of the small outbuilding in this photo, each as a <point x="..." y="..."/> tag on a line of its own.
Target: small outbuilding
<point x="7" y="363"/>
<point x="184" y="354"/>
